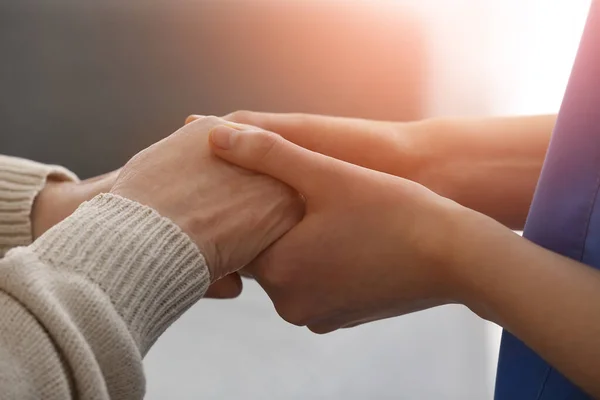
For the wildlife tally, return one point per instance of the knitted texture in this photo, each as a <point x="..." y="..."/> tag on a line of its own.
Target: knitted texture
<point x="20" y="182"/>
<point x="84" y="303"/>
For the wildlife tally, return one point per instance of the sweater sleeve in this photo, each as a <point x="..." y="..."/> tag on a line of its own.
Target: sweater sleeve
<point x="20" y="182"/>
<point x="82" y="305"/>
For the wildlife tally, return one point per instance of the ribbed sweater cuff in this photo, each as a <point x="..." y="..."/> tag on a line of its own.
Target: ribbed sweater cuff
<point x="149" y="268"/>
<point x="20" y="182"/>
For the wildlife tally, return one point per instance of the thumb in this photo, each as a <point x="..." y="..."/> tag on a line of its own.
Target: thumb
<point x="270" y="154"/>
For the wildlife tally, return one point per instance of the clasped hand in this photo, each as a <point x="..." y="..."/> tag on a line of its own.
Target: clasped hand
<point x="362" y="246"/>
<point x="370" y="246"/>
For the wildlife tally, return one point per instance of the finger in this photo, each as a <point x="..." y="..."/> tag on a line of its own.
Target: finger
<point x="194" y="117"/>
<point x="270" y="154"/>
<point x="322" y="329"/>
<point x="206" y="123"/>
<point x="228" y="287"/>
<point x="362" y="142"/>
<point x="313" y="132"/>
<point x="330" y="324"/>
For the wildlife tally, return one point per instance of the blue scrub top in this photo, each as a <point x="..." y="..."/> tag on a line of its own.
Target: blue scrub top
<point x="564" y="215"/>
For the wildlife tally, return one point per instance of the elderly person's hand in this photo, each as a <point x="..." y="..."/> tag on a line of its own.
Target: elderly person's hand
<point x="232" y="214"/>
<point x="94" y="293"/>
<point x="60" y="198"/>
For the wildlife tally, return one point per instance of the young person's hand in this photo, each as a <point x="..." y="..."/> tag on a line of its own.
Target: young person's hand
<point x="373" y="246"/>
<point x="370" y="246"/>
<point x="232" y="214"/>
<point x="391" y="147"/>
<point x="490" y="165"/>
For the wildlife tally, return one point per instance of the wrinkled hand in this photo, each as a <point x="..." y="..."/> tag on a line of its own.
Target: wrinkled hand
<point x="232" y="214"/>
<point x="369" y="246"/>
<point x="59" y="199"/>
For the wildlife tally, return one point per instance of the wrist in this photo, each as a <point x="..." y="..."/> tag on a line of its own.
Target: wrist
<point x="488" y="165"/>
<point x="478" y="250"/>
<point x="59" y="198"/>
<point x="21" y="181"/>
<point x="420" y="145"/>
<point x="50" y="204"/>
<point x="151" y="271"/>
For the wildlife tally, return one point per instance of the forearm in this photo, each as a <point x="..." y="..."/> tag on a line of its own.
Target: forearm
<point x="550" y="302"/>
<point x="487" y="164"/>
<point x="83" y="304"/>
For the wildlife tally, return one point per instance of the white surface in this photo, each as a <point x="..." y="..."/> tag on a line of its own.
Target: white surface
<point x="242" y="350"/>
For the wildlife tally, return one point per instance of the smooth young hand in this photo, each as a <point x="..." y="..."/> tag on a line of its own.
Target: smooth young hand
<point x="369" y="246"/>
<point x="490" y="165"/>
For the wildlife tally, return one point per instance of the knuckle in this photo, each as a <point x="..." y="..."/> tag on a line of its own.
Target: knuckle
<point x="292" y="312"/>
<point x="267" y="146"/>
<point x="288" y="302"/>
<point x="241" y="116"/>
<point x="321" y="329"/>
<point x="274" y="274"/>
<point x="273" y="277"/>
<point x="211" y="121"/>
<point x="205" y="122"/>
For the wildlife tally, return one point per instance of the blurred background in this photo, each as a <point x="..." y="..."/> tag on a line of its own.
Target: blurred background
<point x="88" y="83"/>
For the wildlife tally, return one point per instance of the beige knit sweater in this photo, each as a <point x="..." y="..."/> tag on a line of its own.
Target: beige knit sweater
<point x="81" y="306"/>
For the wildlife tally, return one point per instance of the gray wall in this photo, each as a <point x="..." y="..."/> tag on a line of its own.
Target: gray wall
<point x="88" y="83"/>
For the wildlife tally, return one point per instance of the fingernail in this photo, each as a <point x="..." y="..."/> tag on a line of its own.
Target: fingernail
<point x="192" y="118"/>
<point x="224" y="136"/>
